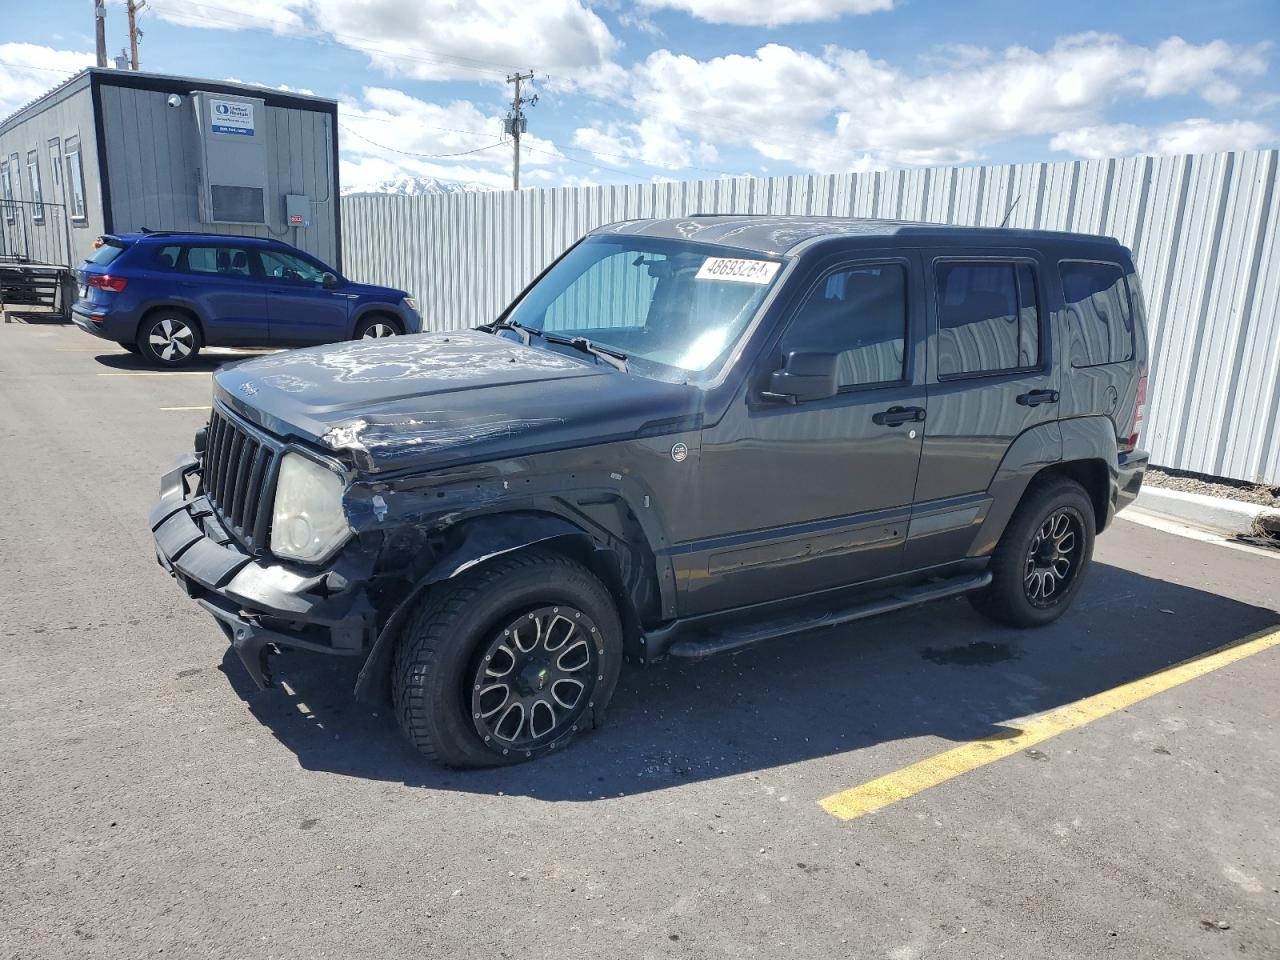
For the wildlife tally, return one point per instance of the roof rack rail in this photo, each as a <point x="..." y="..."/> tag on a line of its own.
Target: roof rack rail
<point x="197" y="233"/>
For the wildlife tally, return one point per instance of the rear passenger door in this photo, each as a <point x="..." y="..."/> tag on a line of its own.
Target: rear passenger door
<point x="991" y="377"/>
<point x="232" y="304"/>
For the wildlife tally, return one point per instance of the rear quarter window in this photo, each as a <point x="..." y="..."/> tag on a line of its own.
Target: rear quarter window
<point x="105" y="254"/>
<point x="1099" y="312"/>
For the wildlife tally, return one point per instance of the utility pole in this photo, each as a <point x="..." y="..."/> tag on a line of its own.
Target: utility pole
<point x="100" y="21"/>
<point x="135" y="7"/>
<point x="516" y="122"/>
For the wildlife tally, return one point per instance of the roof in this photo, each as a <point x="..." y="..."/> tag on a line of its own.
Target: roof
<point x="168" y="83"/>
<point x="770" y="234"/>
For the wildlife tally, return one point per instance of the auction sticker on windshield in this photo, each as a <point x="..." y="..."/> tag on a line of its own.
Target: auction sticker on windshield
<point x="737" y="271"/>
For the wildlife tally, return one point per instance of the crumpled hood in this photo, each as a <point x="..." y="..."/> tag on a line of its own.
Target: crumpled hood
<point x="437" y="399"/>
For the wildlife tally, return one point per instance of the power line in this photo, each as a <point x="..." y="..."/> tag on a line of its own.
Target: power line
<point x="420" y="156"/>
<point x="30" y="66"/>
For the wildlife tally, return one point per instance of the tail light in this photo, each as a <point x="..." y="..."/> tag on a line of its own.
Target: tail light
<point x="106" y="282"/>
<point x="1139" y="411"/>
<point x="98" y="242"/>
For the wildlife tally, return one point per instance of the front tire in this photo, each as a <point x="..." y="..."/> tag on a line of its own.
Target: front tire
<point x="377" y="327"/>
<point x="507" y="663"/>
<point x="169" y="338"/>
<point x="1041" y="560"/>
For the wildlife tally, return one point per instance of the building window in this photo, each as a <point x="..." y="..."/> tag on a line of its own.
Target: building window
<point x="1099" y="313"/>
<point x="37" y="196"/>
<point x="859" y="313"/>
<point x="75" y="180"/>
<point x="988" y="320"/>
<point x="55" y="166"/>
<point x="6" y="189"/>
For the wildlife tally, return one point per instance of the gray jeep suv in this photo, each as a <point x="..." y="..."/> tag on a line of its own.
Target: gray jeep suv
<point x="684" y="437"/>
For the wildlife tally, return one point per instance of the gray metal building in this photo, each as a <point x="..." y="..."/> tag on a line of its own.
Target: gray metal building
<point x="111" y="151"/>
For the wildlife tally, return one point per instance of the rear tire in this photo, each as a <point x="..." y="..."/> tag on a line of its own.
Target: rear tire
<point x="169" y="338"/>
<point x="483" y="674"/>
<point x="1041" y="560"/>
<point x="377" y="327"/>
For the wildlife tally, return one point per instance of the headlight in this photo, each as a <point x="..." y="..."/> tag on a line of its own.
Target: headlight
<point x="307" y="523"/>
<point x="411" y="303"/>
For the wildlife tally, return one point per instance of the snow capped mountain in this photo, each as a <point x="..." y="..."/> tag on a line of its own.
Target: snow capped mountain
<point x="408" y="186"/>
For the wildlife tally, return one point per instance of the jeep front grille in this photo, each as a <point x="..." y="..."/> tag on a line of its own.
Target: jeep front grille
<point x="238" y="475"/>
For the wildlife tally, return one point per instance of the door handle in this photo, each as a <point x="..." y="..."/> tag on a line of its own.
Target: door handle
<point x="898" y="415"/>
<point x="1037" y="397"/>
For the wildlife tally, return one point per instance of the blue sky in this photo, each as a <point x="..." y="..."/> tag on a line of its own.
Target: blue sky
<point x="698" y="88"/>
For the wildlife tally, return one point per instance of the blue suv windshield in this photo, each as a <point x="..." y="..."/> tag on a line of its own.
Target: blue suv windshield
<point x="674" y="308"/>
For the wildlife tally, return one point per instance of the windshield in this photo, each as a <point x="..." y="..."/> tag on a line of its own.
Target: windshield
<point x="674" y="308"/>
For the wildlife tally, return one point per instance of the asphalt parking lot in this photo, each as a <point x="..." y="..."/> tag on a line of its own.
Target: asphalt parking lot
<point x="156" y="804"/>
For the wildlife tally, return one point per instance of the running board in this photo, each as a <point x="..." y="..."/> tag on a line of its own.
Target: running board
<point x="745" y="636"/>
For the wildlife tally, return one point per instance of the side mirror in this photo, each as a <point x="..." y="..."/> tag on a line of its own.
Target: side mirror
<point x="329" y="281"/>
<point x="805" y="376"/>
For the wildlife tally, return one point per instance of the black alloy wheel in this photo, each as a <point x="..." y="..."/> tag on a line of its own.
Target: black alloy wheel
<point x="535" y="678"/>
<point x="1053" y="558"/>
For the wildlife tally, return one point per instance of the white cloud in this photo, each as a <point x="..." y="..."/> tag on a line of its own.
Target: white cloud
<point x="285" y="16"/>
<point x="1186" y="136"/>
<point x="770" y="13"/>
<point x="1107" y="140"/>
<point x="386" y="132"/>
<point x="841" y="109"/>
<point x="649" y="141"/>
<point x="28" y="70"/>
<point x="427" y="39"/>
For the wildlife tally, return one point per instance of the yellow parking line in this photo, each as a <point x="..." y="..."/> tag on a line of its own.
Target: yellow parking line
<point x="205" y="407"/>
<point x="157" y="373"/>
<point x="87" y="350"/>
<point x="911" y="780"/>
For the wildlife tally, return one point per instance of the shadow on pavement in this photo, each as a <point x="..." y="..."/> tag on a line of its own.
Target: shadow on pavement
<point x="120" y="360"/>
<point x="34" y="317"/>
<point x="938" y="670"/>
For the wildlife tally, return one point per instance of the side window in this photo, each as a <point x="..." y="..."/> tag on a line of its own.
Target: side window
<point x="281" y="266"/>
<point x="55" y="167"/>
<point x="988" y="320"/>
<point x="224" y="261"/>
<point x="75" y="180"/>
<point x="37" y="195"/>
<point x="860" y="314"/>
<point x="6" y="190"/>
<point x="167" y="257"/>
<point x="1099" y="314"/>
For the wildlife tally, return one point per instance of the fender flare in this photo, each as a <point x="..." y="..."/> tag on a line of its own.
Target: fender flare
<point x="484" y="538"/>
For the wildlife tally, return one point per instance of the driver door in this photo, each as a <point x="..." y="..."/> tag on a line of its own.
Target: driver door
<point x="300" y="308"/>
<point x="798" y="498"/>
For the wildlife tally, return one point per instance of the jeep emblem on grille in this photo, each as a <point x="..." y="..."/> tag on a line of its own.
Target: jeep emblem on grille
<point x="248" y="389"/>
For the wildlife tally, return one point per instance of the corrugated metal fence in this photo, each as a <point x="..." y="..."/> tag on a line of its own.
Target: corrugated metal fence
<point x="1205" y="231"/>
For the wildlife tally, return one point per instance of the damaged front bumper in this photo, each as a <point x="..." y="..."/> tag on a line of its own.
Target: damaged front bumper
<point x="259" y="604"/>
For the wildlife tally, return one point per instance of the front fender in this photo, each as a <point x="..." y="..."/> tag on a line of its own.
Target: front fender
<point x="484" y="538"/>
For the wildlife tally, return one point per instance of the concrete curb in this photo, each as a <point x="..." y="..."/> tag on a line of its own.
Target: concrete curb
<point x="1228" y="517"/>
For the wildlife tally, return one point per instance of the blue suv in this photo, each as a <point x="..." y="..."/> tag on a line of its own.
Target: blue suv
<point x="165" y="295"/>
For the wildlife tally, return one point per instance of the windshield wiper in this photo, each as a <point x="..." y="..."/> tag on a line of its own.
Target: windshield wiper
<point x="526" y="333"/>
<point x="614" y="358"/>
